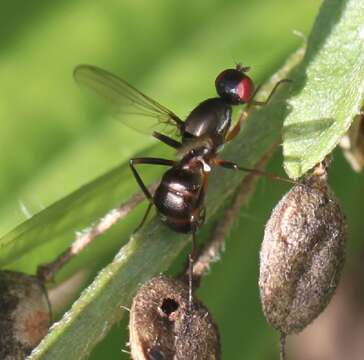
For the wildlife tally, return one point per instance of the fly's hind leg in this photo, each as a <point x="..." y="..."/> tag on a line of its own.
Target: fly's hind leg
<point x="191" y="261"/>
<point x="197" y="220"/>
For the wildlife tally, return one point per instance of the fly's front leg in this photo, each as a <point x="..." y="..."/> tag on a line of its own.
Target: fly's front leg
<point x="236" y="129"/>
<point x="243" y="117"/>
<point x="148" y="195"/>
<point x="253" y="102"/>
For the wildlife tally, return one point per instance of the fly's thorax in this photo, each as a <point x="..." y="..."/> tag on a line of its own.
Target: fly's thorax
<point x="211" y="118"/>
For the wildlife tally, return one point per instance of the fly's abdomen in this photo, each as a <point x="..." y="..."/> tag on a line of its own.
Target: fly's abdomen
<point x="179" y="199"/>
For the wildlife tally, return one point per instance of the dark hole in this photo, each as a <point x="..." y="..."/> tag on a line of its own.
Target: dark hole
<point x="155" y="354"/>
<point x="169" y="306"/>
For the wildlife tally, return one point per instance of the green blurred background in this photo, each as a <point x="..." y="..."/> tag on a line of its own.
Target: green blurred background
<point x="54" y="138"/>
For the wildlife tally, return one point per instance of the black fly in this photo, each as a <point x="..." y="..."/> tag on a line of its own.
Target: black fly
<point x="179" y="198"/>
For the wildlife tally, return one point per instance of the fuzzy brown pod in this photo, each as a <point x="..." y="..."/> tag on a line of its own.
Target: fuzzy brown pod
<point x="164" y="327"/>
<point x="302" y="255"/>
<point x="24" y="314"/>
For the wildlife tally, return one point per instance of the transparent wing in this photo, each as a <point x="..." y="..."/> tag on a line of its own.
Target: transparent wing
<point x="128" y="104"/>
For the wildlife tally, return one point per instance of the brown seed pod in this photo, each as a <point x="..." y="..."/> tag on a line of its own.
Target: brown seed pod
<point x="163" y="326"/>
<point x="302" y="255"/>
<point x="24" y="314"/>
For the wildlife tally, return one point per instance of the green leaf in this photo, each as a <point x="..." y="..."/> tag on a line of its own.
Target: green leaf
<point x="328" y="90"/>
<point x="155" y="247"/>
<point x="59" y="223"/>
<point x="52" y="141"/>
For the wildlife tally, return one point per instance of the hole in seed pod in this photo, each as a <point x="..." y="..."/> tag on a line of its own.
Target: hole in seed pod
<point x="155" y="354"/>
<point x="169" y="306"/>
<point x="164" y="326"/>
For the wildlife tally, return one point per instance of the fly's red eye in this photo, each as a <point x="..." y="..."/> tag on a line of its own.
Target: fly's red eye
<point x="245" y="89"/>
<point x="234" y="86"/>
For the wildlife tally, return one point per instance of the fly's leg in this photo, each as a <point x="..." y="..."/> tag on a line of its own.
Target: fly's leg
<point x="144" y="218"/>
<point x="148" y="195"/>
<point x="167" y="140"/>
<point x="253" y="102"/>
<point x="233" y="166"/>
<point x="197" y="219"/>
<point x="191" y="260"/>
<point x="236" y="129"/>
